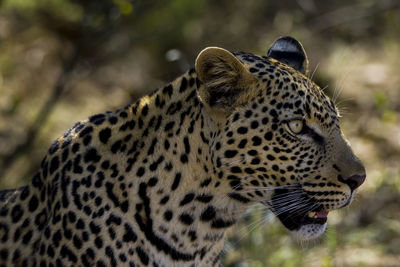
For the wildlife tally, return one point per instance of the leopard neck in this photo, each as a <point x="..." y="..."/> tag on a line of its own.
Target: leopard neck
<point x="153" y="166"/>
<point x="173" y="174"/>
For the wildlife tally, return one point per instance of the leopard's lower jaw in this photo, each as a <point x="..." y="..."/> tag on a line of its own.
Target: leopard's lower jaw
<point x="309" y="231"/>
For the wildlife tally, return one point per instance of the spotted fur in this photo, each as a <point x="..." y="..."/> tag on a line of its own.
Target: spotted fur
<point x="158" y="182"/>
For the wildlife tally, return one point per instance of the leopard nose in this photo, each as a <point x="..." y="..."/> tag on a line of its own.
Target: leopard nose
<point x="355" y="181"/>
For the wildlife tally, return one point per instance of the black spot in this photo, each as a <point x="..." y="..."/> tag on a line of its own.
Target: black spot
<point x="87" y="139"/>
<point x="54" y="147"/>
<point x="256" y="140"/>
<point x="116" y="146"/>
<point x="98" y="201"/>
<point x="91" y="155"/>
<point x="255" y="161"/>
<point x="273" y="113"/>
<point x="66" y="252"/>
<point x="77" y="242"/>
<point x="144" y="258"/>
<point x="242" y="130"/>
<point x="183" y="86"/>
<point x="230" y="153"/>
<point x="113" y="120"/>
<point x="65" y="155"/>
<point x="219" y="223"/>
<point x="248" y="113"/>
<point x="145" y="110"/>
<point x="242" y="143"/>
<point x="236" y="185"/>
<point x="140" y="172"/>
<point x="16" y="213"/>
<point x="105" y="164"/>
<point x="158" y="124"/>
<point x="186" y="218"/>
<point x="111" y="233"/>
<point x="268" y="136"/>
<point x="208" y="214"/>
<point x="111" y="195"/>
<point x="96" y="117"/>
<point x="249" y="170"/>
<point x="123" y="114"/>
<point x="176" y="182"/>
<point x="192" y="235"/>
<point x="113" y="219"/>
<point x="155" y="164"/>
<point x="122" y="257"/>
<point x="98" y="242"/>
<point x="85" y="131"/>
<point x="37" y="182"/>
<point x="187" y="145"/>
<point x="95" y="229"/>
<point x="164" y="200"/>
<point x="54" y="164"/>
<point x="239" y="197"/>
<point x="129" y="235"/>
<point x="187" y="199"/>
<point x="80" y="224"/>
<point x="66" y="141"/>
<point x="57" y="238"/>
<point x="110" y="254"/>
<point x="169" y="166"/>
<point x="27" y="237"/>
<point x="104" y="135"/>
<point x="166" y="144"/>
<point x="270" y="157"/>
<point x="167" y="90"/>
<point x="252" y="70"/>
<point x="150" y="151"/>
<point x="75" y="147"/>
<point x="152" y="181"/>
<point x="124" y="206"/>
<point x="184" y="158"/>
<point x="25" y="193"/>
<point x="236" y="169"/>
<point x="204" y="198"/>
<point x="206" y="182"/>
<point x="254" y="124"/>
<point x="217" y="145"/>
<point x="169" y="125"/>
<point x="129" y="124"/>
<point x="168" y="215"/>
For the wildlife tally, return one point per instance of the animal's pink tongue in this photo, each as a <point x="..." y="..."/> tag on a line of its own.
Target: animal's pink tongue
<point x="322" y="214"/>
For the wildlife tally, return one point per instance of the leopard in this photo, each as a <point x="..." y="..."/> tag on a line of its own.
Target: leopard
<point x="160" y="181"/>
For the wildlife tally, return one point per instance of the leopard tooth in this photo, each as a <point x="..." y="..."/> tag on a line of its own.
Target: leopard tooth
<point x="312" y="214"/>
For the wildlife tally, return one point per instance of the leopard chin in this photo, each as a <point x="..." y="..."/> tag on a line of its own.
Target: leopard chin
<point x="309" y="231"/>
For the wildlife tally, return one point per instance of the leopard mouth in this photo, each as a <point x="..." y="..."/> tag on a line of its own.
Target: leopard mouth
<point x="294" y="221"/>
<point x="299" y="213"/>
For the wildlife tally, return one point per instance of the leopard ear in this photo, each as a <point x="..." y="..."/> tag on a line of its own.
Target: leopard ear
<point x="290" y="51"/>
<point x="225" y="80"/>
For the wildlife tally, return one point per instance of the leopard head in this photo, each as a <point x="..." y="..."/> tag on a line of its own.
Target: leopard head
<point x="278" y="140"/>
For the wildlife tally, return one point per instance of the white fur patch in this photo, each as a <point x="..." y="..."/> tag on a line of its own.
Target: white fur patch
<point x="310" y="231"/>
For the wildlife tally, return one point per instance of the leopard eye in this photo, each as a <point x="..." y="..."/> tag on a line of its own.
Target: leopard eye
<point x="296" y="126"/>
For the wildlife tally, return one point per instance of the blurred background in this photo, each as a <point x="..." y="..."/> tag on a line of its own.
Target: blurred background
<point x="63" y="60"/>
